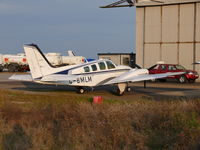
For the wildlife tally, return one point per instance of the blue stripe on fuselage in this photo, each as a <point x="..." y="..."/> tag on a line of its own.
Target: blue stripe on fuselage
<point x="78" y="66"/>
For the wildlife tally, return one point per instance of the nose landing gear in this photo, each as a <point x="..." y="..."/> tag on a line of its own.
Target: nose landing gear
<point x="122" y="87"/>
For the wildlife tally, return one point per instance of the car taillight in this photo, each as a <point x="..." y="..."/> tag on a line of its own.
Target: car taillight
<point x="6" y="59"/>
<point x="24" y="60"/>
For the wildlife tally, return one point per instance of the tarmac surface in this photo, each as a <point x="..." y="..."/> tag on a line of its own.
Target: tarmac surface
<point x="156" y="90"/>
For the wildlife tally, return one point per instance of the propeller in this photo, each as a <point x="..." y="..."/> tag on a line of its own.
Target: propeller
<point x="131" y="3"/>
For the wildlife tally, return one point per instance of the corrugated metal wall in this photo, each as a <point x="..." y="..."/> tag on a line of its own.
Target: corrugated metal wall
<point x="169" y="33"/>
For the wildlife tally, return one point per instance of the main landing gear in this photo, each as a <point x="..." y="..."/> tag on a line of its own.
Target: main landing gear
<point x="81" y="90"/>
<point x="122" y="87"/>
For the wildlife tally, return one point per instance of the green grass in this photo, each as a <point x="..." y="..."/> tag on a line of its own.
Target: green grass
<point x="70" y="121"/>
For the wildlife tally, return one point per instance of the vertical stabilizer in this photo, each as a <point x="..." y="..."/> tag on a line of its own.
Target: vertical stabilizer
<point x="38" y="64"/>
<point x="70" y="53"/>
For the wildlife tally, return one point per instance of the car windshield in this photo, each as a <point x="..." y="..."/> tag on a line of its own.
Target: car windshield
<point x="154" y="67"/>
<point x="179" y="67"/>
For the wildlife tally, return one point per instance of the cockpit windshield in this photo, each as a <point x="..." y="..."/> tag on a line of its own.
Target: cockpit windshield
<point x="110" y="65"/>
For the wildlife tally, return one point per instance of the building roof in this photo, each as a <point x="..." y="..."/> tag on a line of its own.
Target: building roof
<point x="116" y="54"/>
<point x="165" y="2"/>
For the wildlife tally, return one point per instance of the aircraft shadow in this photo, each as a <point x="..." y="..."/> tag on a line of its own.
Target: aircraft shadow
<point x="36" y="87"/>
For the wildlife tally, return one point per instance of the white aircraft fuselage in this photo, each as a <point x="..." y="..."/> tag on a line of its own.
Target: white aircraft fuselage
<point x="81" y="76"/>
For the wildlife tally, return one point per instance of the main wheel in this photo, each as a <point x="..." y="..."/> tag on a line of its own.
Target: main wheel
<point x="81" y="90"/>
<point x="128" y="89"/>
<point x="182" y="79"/>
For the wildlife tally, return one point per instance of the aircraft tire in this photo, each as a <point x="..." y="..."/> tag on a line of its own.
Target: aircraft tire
<point x="81" y="91"/>
<point x="128" y="89"/>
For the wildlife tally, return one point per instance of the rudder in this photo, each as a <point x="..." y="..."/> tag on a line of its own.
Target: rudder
<point x="38" y="63"/>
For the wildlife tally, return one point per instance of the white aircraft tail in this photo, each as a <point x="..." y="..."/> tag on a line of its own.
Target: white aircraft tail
<point x="38" y="63"/>
<point x="70" y="53"/>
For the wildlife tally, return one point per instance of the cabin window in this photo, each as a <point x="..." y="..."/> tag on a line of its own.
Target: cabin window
<point x="102" y="66"/>
<point x="87" y="69"/>
<point x="94" y="67"/>
<point x="110" y="65"/>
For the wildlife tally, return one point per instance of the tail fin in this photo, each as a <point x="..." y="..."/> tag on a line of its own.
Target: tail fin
<point x="38" y="63"/>
<point x="71" y="53"/>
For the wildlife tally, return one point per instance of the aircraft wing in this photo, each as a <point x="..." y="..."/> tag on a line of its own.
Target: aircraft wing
<point x="143" y="77"/>
<point x="26" y="77"/>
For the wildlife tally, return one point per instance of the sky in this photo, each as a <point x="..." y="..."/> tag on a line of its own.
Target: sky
<point x="61" y="25"/>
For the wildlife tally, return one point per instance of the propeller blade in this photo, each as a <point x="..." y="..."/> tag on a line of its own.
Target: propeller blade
<point x="116" y="6"/>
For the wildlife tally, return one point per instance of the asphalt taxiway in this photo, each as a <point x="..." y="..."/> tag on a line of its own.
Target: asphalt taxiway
<point x="157" y="90"/>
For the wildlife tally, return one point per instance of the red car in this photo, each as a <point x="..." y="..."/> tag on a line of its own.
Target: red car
<point x="190" y="75"/>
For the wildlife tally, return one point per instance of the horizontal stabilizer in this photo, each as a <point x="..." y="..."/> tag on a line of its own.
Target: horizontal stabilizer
<point x="26" y="77"/>
<point x="58" y="77"/>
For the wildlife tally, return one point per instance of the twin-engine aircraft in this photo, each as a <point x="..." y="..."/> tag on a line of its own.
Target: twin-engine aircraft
<point x="89" y="74"/>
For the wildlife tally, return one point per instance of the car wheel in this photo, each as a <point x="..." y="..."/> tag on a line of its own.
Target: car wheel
<point x="192" y="80"/>
<point x="182" y="79"/>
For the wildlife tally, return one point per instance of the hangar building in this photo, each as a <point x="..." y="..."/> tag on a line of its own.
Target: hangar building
<point x="168" y="32"/>
<point x="119" y="58"/>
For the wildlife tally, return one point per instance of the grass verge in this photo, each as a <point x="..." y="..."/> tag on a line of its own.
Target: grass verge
<point x="59" y="122"/>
